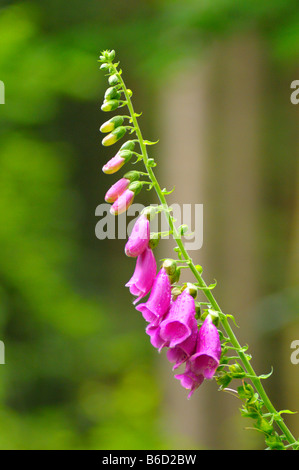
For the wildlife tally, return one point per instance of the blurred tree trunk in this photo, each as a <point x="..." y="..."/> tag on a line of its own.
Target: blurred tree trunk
<point x="183" y="129"/>
<point x="209" y="143"/>
<point x="290" y="372"/>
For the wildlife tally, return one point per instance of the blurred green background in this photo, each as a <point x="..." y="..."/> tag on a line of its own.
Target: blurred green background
<point x="80" y="372"/>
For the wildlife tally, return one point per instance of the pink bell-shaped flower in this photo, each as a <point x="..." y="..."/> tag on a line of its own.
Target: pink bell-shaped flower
<point x="182" y="352"/>
<point x="116" y="162"/>
<point x="190" y="380"/>
<point x="178" y="324"/>
<point x="145" y="272"/>
<point x="139" y="237"/>
<point x="204" y="362"/>
<point x="208" y="350"/>
<point x="158" y="302"/>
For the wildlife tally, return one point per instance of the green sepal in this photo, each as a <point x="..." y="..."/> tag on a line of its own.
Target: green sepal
<point x="223" y="380"/>
<point x="136" y="187"/>
<point x="274" y="442"/>
<point x="132" y="176"/>
<point x="126" y="154"/>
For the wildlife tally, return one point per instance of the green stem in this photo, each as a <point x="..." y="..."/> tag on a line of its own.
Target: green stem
<point x="224" y="321"/>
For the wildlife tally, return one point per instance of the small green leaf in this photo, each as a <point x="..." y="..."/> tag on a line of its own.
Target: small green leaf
<point x="232" y="318"/>
<point x="287" y="412"/>
<point x="164" y="191"/>
<point x="149" y="142"/>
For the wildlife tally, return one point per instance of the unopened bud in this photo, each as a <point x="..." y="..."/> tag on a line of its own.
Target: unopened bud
<point x="114" y="136"/>
<point x="112" y="94"/>
<point x="113" y="80"/>
<point x="105" y="67"/>
<point x="112" y="124"/>
<point x="111" y="55"/>
<point x="175" y="292"/>
<point x="214" y="316"/>
<point x="191" y="289"/>
<point x="110" y="105"/>
<point x="129" y="145"/>
<point x="183" y="229"/>
<point x="170" y="266"/>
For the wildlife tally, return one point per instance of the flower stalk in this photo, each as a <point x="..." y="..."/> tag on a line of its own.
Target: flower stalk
<point x="256" y="403"/>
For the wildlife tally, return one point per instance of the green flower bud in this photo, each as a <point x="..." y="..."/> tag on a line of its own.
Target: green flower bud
<point x="111" y="55"/>
<point x="199" y="268"/>
<point x="112" y="94"/>
<point x="113" y="80"/>
<point x="104" y="67"/>
<point x="110" y="125"/>
<point x="175" y="292"/>
<point x="110" y="105"/>
<point x="170" y="266"/>
<point x="129" y="145"/>
<point x="183" y="229"/>
<point x="114" y="136"/>
<point x="214" y="316"/>
<point x="191" y="289"/>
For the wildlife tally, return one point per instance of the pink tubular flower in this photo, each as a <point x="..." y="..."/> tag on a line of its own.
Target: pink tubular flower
<point x="153" y="330"/>
<point x="180" y="320"/>
<point x="190" y="380"/>
<point x="139" y="238"/>
<point x="182" y="352"/>
<point x="122" y="202"/>
<point x="204" y="362"/>
<point x="208" y="350"/>
<point x="158" y="302"/>
<point x="117" y="189"/>
<point x="113" y="165"/>
<point x="116" y="162"/>
<point x="145" y="271"/>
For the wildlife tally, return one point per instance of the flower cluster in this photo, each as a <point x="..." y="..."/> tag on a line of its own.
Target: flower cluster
<point x="170" y="310"/>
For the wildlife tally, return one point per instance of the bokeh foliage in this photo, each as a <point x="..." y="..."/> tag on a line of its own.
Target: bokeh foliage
<point x="78" y="371"/>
